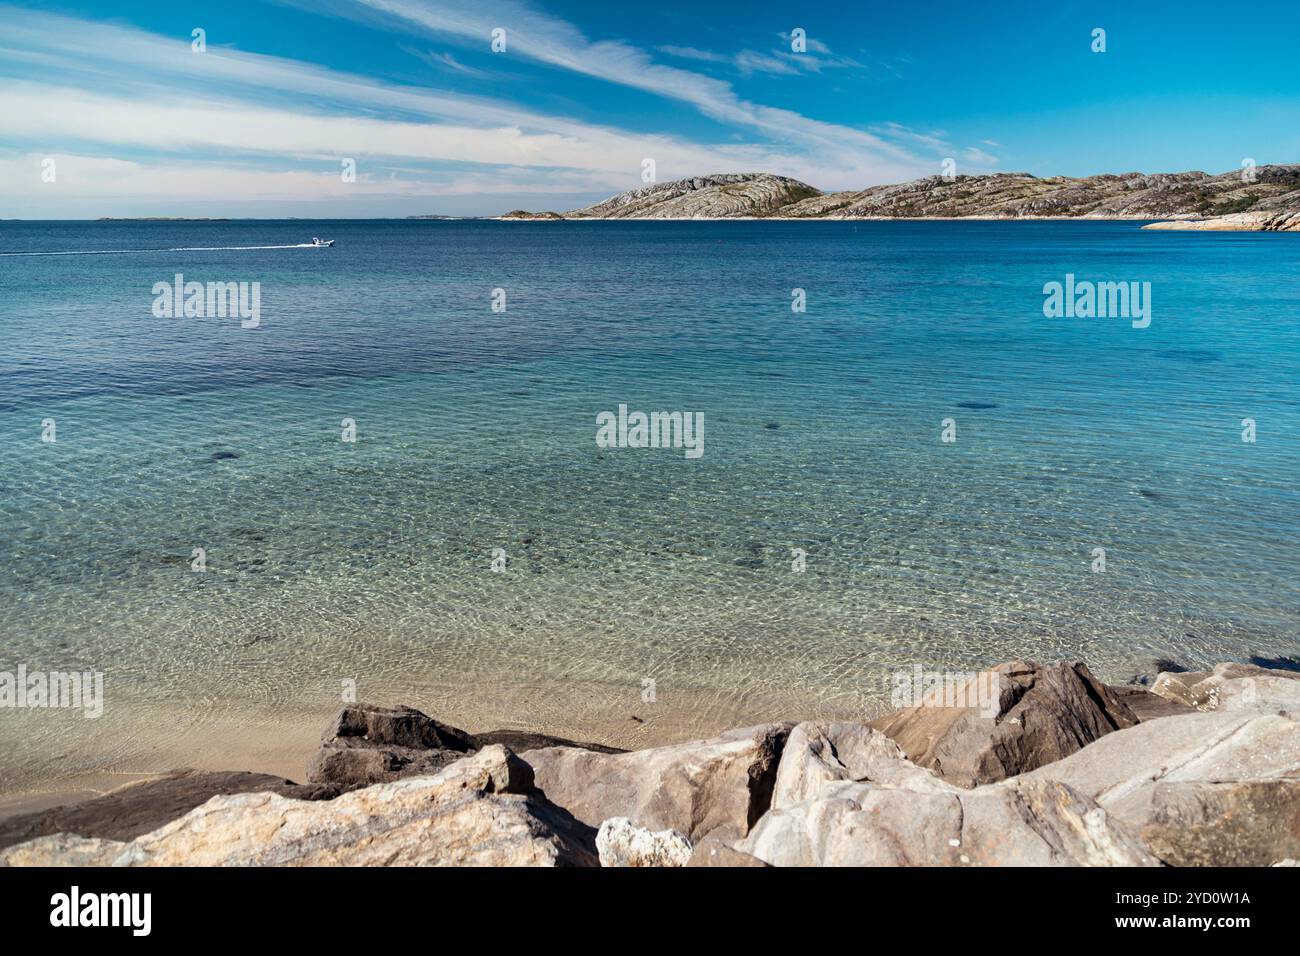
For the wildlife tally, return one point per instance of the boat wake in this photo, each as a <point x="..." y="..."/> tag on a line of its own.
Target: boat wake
<point x="121" y="252"/>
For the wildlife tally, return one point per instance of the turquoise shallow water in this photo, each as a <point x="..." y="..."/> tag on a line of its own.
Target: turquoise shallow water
<point x="476" y="430"/>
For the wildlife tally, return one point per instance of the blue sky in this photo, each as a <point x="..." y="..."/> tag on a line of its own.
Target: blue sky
<point x="259" y="123"/>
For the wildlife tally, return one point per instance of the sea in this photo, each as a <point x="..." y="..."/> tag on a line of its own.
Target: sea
<point x="387" y="485"/>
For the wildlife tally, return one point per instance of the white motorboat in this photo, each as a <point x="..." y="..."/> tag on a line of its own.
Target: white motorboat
<point x="321" y="242"/>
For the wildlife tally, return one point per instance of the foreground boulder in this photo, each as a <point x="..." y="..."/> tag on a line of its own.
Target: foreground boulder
<point x="1219" y="788"/>
<point x="367" y="743"/>
<point x="140" y="807"/>
<point x="818" y="754"/>
<point x="1243" y="823"/>
<point x="1017" y="823"/>
<point x="619" y="843"/>
<point x="1016" y="718"/>
<point x="694" y="788"/>
<point x="1232" y="687"/>
<point x="479" y="811"/>
<point x="846" y="795"/>
<point x="1216" y="786"/>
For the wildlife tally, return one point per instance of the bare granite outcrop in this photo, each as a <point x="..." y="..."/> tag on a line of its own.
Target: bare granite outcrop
<point x="1266" y="198"/>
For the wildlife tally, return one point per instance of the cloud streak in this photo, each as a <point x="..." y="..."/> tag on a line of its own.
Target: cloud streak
<point x="550" y="40"/>
<point x="259" y="123"/>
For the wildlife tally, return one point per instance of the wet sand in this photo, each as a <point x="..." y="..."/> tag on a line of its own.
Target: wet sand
<point x="48" y="760"/>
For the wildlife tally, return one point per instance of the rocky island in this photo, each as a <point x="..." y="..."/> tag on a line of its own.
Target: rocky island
<point x="1191" y="769"/>
<point x="1263" y="199"/>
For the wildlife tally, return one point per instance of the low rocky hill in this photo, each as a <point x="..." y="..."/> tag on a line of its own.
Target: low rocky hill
<point x="1267" y="200"/>
<point x="726" y="196"/>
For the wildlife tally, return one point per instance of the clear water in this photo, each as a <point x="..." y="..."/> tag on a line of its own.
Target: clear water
<point x="476" y="430"/>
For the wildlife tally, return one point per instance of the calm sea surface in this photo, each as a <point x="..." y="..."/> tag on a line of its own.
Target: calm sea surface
<point x="330" y="561"/>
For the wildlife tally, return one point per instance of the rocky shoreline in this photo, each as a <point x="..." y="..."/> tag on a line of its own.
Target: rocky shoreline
<point x="1266" y="198"/>
<point x="1054" y="768"/>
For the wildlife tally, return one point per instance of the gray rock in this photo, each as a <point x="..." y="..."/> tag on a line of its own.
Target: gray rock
<point x="620" y="843"/>
<point x="1232" y="687"/>
<point x="1217" y="787"/>
<point x="132" y="810"/>
<point x="1242" y="823"/>
<point x="1043" y="713"/>
<point x="817" y="754"/>
<point x="1016" y="823"/>
<point x="1270" y="217"/>
<point x="694" y="788"/>
<point x="366" y="744"/>
<point x="63" y="849"/>
<point x="478" y="811"/>
<point x="521" y="740"/>
<point x="1175" y="686"/>
<point x="714" y="851"/>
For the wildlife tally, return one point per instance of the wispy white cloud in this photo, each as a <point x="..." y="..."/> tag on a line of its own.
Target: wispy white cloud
<point x="83" y="177"/>
<point x="979" y="157"/>
<point x="782" y="62"/>
<point x="234" y="129"/>
<point x="547" y="39"/>
<point x="747" y="61"/>
<point x="442" y="60"/>
<point x="932" y="141"/>
<point x="143" y="112"/>
<point x="693" y="53"/>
